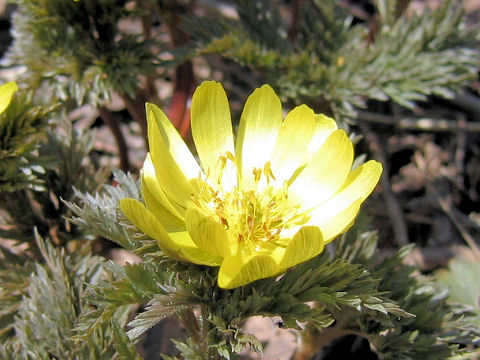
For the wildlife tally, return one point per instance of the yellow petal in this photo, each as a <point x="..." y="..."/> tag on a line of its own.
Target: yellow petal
<point x="191" y="252"/>
<point x="172" y="174"/>
<point x="243" y="268"/>
<point x="168" y="220"/>
<point x="291" y="147"/>
<point x="146" y="222"/>
<point x="325" y="127"/>
<point x="6" y="93"/>
<point x="305" y="244"/>
<point x="339" y="223"/>
<point x="326" y="171"/>
<point x="152" y="188"/>
<point x="176" y="245"/>
<point x="259" y="125"/>
<point x="336" y="214"/>
<point x="173" y="141"/>
<point x="199" y="257"/>
<point x="208" y="234"/>
<point x="212" y="129"/>
<point x="359" y="184"/>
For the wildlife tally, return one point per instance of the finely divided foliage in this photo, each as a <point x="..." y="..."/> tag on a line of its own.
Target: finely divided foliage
<point x="327" y="60"/>
<point x="359" y="297"/>
<point x="50" y="304"/>
<point x="352" y="292"/>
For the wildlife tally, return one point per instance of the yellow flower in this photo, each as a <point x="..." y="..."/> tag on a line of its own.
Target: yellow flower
<point x="7" y="91"/>
<point x="255" y="206"/>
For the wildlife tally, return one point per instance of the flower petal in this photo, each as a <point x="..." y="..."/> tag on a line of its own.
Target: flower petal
<point x="177" y="245"/>
<point x="326" y="171"/>
<point x="340" y="222"/>
<point x="360" y="183"/>
<point x="243" y="268"/>
<point x="292" y="143"/>
<point x="173" y="141"/>
<point x="146" y="222"/>
<point x="151" y="188"/>
<point x="172" y="172"/>
<point x="6" y="93"/>
<point x="337" y="213"/>
<point x="259" y="125"/>
<point x="208" y="234"/>
<point x="168" y="220"/>
<point x="325" y="127"/>
<point x="212" y="128"/>
<point x="305" y="244"/>
<point x="191" y="252"/>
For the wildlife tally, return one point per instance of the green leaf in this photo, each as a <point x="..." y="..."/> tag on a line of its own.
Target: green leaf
<point x="157" y="310"/>
<point x="99" y="214"/>
<point x="124" y="347"/>
<point x="462" y="278"/>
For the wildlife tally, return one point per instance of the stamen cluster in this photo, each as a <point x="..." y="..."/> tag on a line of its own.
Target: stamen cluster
<point x="255" y="215"/>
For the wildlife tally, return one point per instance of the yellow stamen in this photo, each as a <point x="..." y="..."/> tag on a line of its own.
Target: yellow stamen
<point x="252" y="216"/>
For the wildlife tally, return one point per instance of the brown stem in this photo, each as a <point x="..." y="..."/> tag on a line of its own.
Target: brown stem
<point x="293" y="31"/>
<point x="190" y="322"/>
<point x="415" y="123"/>
<point x="393" y="207"/>
<point x="146" y="18"/>
<point x="448" y="209"/>
<point x="468" y="102"/>
<point x="112" y="122"/>
<point x="400" y="7"/>
<point x="198" y="332"/>
<point x="205" y="327"/>
<point x="136" y="109"/>
<point x="147" y="25"/>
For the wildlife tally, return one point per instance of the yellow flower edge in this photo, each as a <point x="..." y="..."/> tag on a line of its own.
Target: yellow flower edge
<point x="255" y="205"/>
<point x="7" y="91"/>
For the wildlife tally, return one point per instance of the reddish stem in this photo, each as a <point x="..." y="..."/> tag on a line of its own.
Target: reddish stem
<point x="178" y="111"/>
<point x="184" y="76"/>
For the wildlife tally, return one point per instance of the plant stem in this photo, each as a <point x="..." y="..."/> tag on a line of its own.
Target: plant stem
<point x="293" y="30"/>
<point x="393" y="207"/>
<point x="178" y="113"/>
<point x="136" y="108"/>
<point x="198" y="330"/>
<point x="448" y="209"/>
<point x="190" y="322"/>
<point x="420" y="124"/>
<point x="148" y="10"/>
<point x="112" y="122"/>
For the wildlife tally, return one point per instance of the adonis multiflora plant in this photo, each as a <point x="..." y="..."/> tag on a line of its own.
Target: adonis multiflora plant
<point x="265" y="218"/>
<point x="242" y="232"/>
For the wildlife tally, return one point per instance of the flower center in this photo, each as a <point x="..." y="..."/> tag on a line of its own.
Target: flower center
<point x="253" y="215"/>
